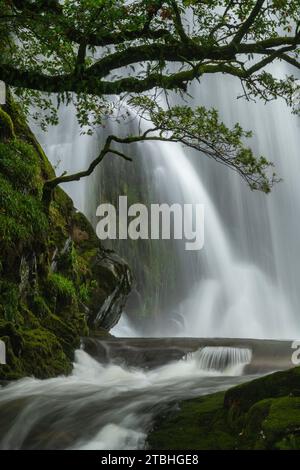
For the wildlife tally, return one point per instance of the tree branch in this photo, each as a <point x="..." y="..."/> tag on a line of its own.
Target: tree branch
<point x="267" y="60"/>
<point x="248" y="23"/>
<point x="79" y="67"/>
<point x="290" y="60"/>
<point x="178" y="23"/>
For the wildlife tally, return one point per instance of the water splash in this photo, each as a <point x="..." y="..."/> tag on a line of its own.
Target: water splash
<point x="98" y="406"/>
<point x="223" y="359"/>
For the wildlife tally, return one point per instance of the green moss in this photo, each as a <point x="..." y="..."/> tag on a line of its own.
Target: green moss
<point x="60" y="213"/>
<point x="283" y="418"/>
<point x="249" y="427"/>
<point x="212" y="422"/>
<point x="9" y="300"/>
<point x="19" y="163"/>
<point x="24" y="133"/>
<point x="68" y="332"/>
<point x="7" y="131"/>
<point x="43" y="354"/>
<point x="274" y="385"/>
<point x="26" y="318"/>
<point x="22" y="219"/>
<point x="200" y="424"/>
<point x="62" y="286"/>
<point x="31" y="351"/>
<point x="256" y="416"/>
<point x="61" y="295"/>
<point x="84" y="293"/>
<point x="289" y="442"/>
<point x="273" y="423"/>
<point x="64" y="203"/>
<point x="84" y="234"/>
<point x="40" y="307"/>
<point x="88" y="255"/>
<point x="21" y="212"/>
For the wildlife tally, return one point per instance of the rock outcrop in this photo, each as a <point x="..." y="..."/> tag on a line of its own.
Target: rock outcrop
<point x="56" y="280"/>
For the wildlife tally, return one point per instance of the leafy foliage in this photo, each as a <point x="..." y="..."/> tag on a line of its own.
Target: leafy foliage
<point x="86" y="52"/>
<point x="202" y="130"/>
<point x="62" y="285"/>
<point x="21" y="212"/>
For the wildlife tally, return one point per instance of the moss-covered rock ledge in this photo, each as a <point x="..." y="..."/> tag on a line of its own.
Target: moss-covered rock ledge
<point x="263" y="414"/>
<point x="56" y="280"/>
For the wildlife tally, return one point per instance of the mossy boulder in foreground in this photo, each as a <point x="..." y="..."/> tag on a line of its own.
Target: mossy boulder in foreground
<point x="51" y="284"/>
<point x="261" y="414"/>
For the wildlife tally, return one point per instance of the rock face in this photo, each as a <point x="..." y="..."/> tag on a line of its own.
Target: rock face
<point x="112" y="279"/>
<point x="55" y="277"/>
<point x="109" y="266"/>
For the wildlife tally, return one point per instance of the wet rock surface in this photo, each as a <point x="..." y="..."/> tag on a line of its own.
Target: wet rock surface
<point x="267" y="355"/>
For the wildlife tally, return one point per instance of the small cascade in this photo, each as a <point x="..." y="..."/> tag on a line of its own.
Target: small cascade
<point x="223" y="359"/>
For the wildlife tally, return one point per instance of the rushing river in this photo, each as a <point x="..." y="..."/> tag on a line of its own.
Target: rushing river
<point x="109" y="406"/>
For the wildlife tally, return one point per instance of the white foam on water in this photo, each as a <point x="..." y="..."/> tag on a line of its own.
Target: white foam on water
<point x="107" y="406"/>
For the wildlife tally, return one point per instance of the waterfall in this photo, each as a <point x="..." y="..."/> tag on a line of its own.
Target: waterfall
<point x="222" y="358"/>
<point x="245" y="282"/>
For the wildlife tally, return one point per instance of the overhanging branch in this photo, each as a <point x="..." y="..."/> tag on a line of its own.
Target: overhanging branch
<point x="248" y="23"/>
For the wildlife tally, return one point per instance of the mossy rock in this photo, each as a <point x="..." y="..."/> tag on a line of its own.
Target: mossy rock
<point x="20" y="164"/>
<point x="23" y="222"/>
<point x="64" y="204"/>
<point x="9" y="300"/>
<point x="32" y="351"/>
<point x="61" y="286"/>
<point x="278" y="384"/>
<point x="7" y="131"/>
<point x="24" y="133"/>
<point x="282" y="421"/>
<point x="198" y="424"/>
<point x="271" y="424"/>
<point x="83" y="234"/>
<point x="263" y="414"/>
<point x="46" y="291"/>
<point x="68" y="332"/>
<point x="43" y="355"/>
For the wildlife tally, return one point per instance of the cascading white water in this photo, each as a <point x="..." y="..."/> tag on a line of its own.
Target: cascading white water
<point x="101" y="407"/>
<point x="263" y="290"/>
<point x="234" y="297"/>
<point x="223" y="358"/>
<point x="245" y="282"/>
